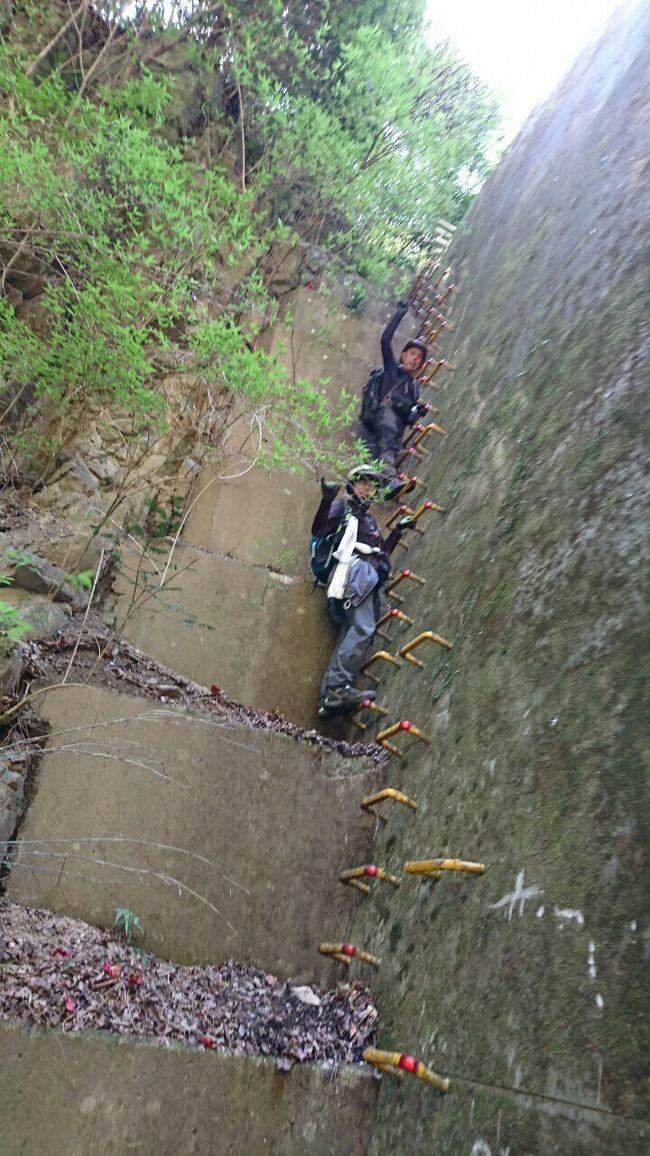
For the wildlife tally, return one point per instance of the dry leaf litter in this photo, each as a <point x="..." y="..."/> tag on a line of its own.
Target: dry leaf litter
<point x="59" y="972"/>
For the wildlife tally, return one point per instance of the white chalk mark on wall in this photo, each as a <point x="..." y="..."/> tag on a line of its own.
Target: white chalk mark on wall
<point x="539" y="912"/>
<point x="591" y="960"/>
<point x="517" y="897"/>
<point x="569" y="915"/>
<point x="600" y="1002"/>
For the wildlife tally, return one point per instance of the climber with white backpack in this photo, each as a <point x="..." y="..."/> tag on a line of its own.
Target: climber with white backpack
<point x="352" y="559"/>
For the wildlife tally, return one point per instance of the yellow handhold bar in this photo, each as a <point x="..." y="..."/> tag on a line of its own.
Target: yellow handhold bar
<point x="404" y="726"/>
<point x="367" y="705"/>
<point x="395" y="1063"/>
<point x="426" y="636"/>
<point x="432" y="427"/>
<point x="381" y="796"/>
<point x="352" y="878"/>
<point x="382" y="655"/>
<point x="346" y="952"/>
<point x="401" y="577"/>
<point x="437" y="866"/>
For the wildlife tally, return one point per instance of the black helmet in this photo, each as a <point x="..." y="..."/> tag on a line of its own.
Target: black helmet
<point x="362" y="474"/>
<point x="417" y="343"/>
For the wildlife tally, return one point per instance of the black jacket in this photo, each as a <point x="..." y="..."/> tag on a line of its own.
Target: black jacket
<point x="330" y="514"/>
<point x="396" y="380"/>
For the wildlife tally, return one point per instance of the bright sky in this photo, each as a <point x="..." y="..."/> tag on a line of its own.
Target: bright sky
<point x="521" y="48"/>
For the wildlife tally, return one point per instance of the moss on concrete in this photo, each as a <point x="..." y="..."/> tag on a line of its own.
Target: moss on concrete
<point x="538" y="763"/>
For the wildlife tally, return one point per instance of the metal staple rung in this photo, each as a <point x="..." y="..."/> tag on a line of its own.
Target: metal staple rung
<point x="397" y="1063"/>
<point x="388" y="793"/>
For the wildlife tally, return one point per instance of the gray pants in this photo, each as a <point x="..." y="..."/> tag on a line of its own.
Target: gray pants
<point x="357" y="624"/>
<point x="385" y="439"/>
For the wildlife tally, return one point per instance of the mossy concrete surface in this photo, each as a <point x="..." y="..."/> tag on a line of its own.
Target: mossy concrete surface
<point x="529" y="986"/>
<point x="225" y="841"/>
<point x="91" y="1095"/>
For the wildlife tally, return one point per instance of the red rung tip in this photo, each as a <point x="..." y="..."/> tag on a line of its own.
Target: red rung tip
<point x="348" y="949"/>
<point x="408" y="1063"/>
<point x="405" y="725"/>
<point x="365" y="704"/>
<point x="415" y="479"/>
<point x="370" y="869"/>
<point x="406" y="573"/>
<point x="428" y="505"/>
<point x="394" y="612"/>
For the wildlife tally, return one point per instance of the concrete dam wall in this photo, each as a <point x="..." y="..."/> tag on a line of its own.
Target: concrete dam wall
<point x="528" y="985"/>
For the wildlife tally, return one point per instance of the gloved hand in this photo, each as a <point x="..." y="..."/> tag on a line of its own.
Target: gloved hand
<point x="422" y="408"/>
<point x="405" y="523"/>
<point x="404" y="305"/>
<point x="329" y="489"/>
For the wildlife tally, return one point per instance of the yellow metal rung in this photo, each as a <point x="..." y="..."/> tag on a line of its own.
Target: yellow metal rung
<point x="399" y="513"/>
<point x="346" y="952"/>
<point x="379" y="655"/>
<point x="397" y="615"/>
<point x="435" y="867"/>
<point x="353" y="877"/>
<point x="426" y="636"/>
<point x="397" y="1063"/>
<point x="381" y="796"/>
<point x="432" y="427"/>
<point x="367" y="704"/>
<point x="402" y="727"/>
<point x="402" y="577"/>
<point x="407" y="455"/>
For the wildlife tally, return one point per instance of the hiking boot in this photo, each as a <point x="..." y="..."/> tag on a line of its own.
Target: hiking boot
<point x="343" y="699"/>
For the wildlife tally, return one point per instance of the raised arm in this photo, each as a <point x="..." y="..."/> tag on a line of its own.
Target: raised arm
<point x="390" y="362"/>
<point x="328" y="516"/>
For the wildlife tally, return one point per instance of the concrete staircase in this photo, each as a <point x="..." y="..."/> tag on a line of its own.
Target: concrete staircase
<point x="226" y="840"/>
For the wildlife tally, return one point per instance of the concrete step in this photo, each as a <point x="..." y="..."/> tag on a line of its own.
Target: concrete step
<point x="262" y="636"/>
<point x="226" y="841"/>
<point x="329" y="368"/>
<point x="263" y="517"/>
<point x="322" y="317"/>
<point x="77" y="1094"/>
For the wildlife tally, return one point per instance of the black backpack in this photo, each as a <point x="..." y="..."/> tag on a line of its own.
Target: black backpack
<point x="370" y="398"/>
<point x="321" y="551"/>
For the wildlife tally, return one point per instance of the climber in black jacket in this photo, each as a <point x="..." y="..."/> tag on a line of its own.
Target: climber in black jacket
<point x="398" y="404"/>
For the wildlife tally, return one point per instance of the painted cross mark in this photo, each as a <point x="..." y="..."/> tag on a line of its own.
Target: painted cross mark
<point x="517" y="897"/>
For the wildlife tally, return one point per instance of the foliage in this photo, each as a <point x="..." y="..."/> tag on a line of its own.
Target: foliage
<point x="358" y="130"/>
<point x="126" y="230"/>
<point x="11" y="624"/>
<point x="127" y="924"/>
<point x="349" y="126"/>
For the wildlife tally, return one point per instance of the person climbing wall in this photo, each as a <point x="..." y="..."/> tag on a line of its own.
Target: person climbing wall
<point x="390" y="402"/>
<point x="359" y="564"/>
